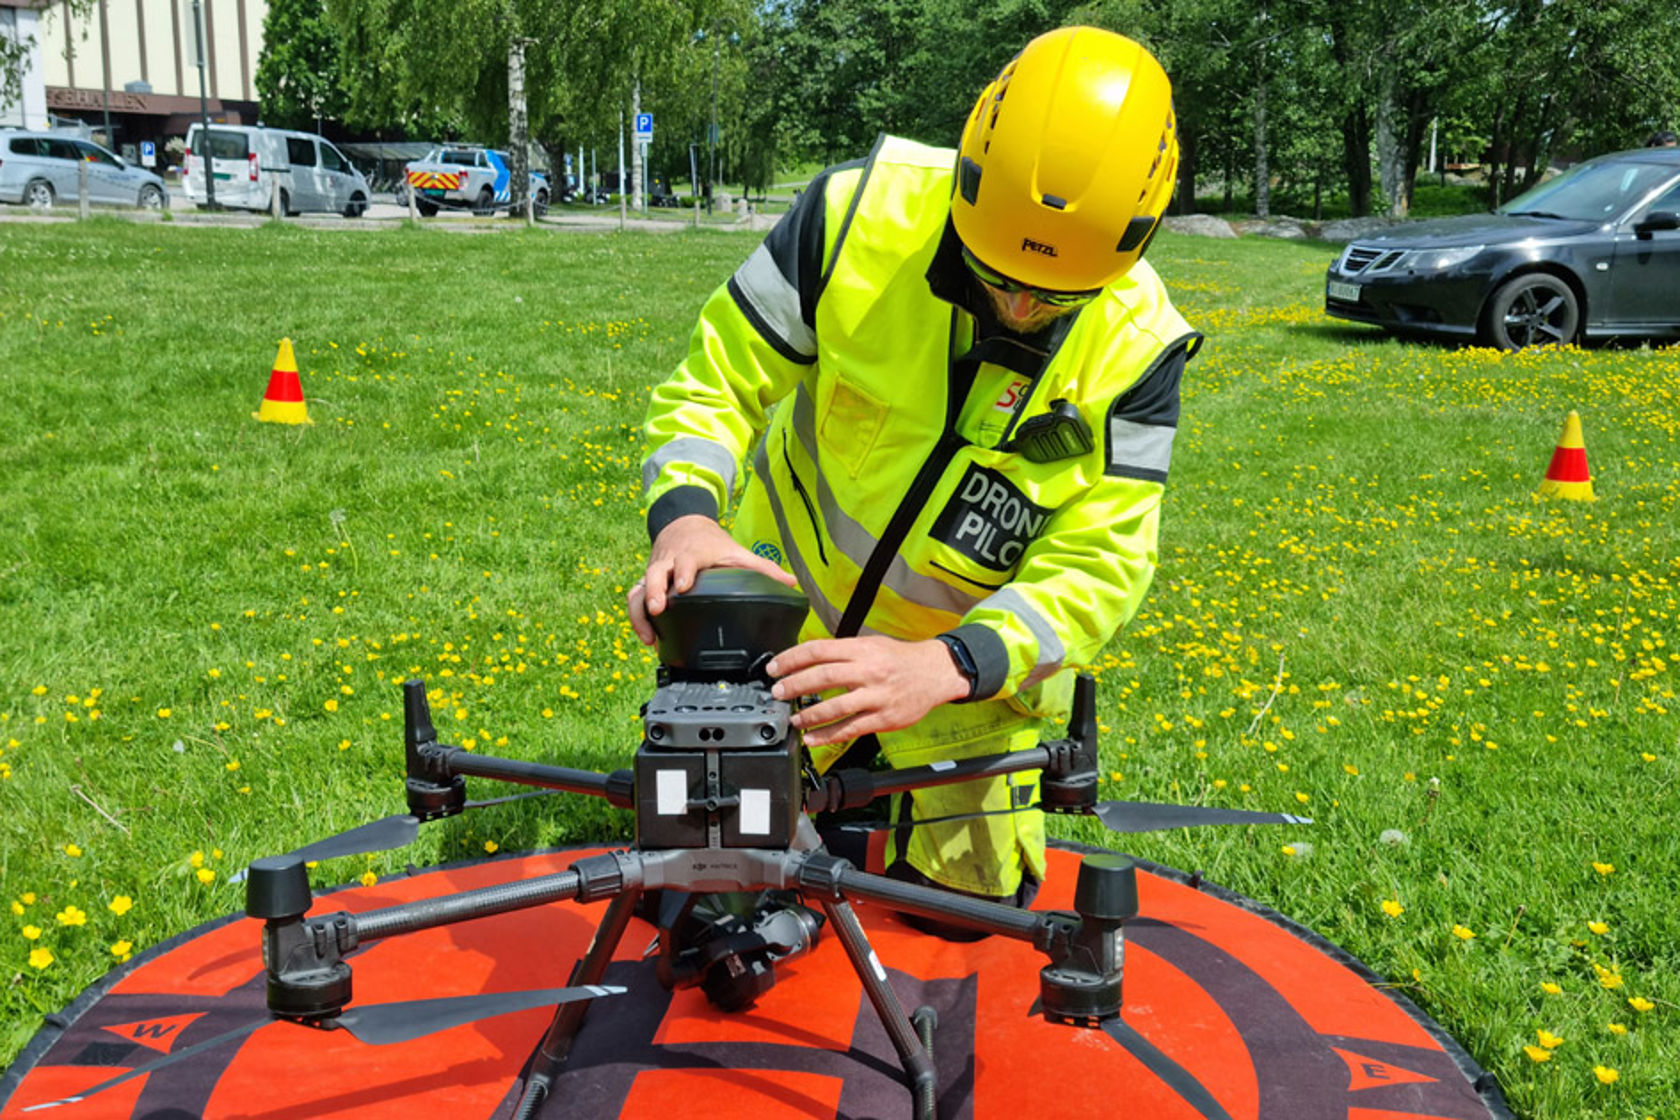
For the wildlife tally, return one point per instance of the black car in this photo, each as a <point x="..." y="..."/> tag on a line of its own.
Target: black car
<point x="1593" y="253"/>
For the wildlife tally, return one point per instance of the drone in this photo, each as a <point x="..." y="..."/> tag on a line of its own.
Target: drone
<point x="723" y="793"/>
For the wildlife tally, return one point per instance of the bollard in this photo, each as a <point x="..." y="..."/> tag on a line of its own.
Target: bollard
<point x="82" y="190"/>
<point x="275" y="210"/>
<point x="413" y="213"/>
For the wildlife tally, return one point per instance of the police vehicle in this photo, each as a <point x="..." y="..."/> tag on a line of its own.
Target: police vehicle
<point x="464" y="178"/>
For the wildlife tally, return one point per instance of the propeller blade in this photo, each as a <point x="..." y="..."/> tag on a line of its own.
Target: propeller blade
<point x="1194" y="1093"/>
<point x="384" y="1024"/>
<point x="1147" y="816"/>
<point x="384" y="834"/>
<point x="375" y="836"/>
<point x="150" y="1067"/>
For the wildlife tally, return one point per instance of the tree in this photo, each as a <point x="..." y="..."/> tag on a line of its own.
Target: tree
<point x="15" y="51"/>
<point x="298" y="76"/>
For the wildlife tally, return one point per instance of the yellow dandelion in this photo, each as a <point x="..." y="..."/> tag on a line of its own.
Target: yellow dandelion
<point x="1640" y="1004"/>
<point x="122" y="950"/>
<point x="31" y="933"/>
<point x="72" y="850"/>
<point x="1600" y="928"/>
<point x="1463" y="933"/>
<point x="1392" y="907"/>
<point x="1536" y="1054"/>
<point x="1549" y="1040"/>
<point x="369" y="879"/>
<point x="1606" y="1075"/>
<point x="163" y="713"/>
<point x="206" y="876"/>
<point x="1550" y="988"/>
<point x="40" y="958"/>
<point x="1615" y="1028"/>
<point x="331" y="705"/>
<point x="72" y="916"/>
<point x="490" y="846"/>
<point x="1603" y="868"/>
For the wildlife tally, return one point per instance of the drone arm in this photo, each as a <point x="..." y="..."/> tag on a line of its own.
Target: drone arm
<point x="1069" y="765"/>
<point x="832" y="877"/>
<point x="616" y="787"/>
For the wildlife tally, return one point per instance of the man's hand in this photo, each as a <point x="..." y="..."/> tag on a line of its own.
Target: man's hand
<point x="685" y="548"/>
<point x="889" y="684"/>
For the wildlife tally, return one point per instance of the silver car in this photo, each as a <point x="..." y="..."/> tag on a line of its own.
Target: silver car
<point x="41" y="168"/>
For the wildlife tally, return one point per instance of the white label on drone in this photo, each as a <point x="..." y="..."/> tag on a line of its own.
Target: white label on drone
<point x="875" y="963"/>
<point x="943" y="764"/>
<point x="755" y="812"/>
<point x="671" y="793"/>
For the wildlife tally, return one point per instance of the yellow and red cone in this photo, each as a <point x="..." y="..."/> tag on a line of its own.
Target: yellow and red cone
<point x="283" y="401"/>
<point x="1567" y="477"/>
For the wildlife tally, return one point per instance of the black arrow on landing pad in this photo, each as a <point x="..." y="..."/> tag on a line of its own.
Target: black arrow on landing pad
<point x="381" y="1024"/>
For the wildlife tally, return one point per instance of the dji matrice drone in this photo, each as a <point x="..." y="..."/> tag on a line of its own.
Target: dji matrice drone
<point x="721" y="788"/>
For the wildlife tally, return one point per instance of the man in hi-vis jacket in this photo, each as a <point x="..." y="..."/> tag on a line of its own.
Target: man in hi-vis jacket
<point x="955" y="384"/>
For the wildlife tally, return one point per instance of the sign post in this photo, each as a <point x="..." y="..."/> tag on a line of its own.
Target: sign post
<point x="644" y="137"/>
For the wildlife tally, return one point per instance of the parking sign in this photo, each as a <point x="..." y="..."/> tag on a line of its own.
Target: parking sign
<point x="148" y="153"/>
<point x="644" y="128"/>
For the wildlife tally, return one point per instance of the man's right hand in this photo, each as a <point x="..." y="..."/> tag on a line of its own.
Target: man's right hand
<point x="685" y="548"/>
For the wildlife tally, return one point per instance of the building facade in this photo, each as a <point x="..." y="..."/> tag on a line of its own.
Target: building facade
<point x="133" y="63"/>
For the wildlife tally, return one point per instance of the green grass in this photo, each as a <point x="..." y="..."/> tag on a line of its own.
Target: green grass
<point x="1430" y="199"/>
<point x="1361" y="611"/>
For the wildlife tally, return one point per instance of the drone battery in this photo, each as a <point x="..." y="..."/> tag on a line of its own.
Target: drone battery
<point x="717" y="768"/>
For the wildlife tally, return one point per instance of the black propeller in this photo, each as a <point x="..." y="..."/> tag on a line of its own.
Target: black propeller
<point x="382" y="1024"/>
<point x="1149" y="816"/>
<point x="384" y="834"/>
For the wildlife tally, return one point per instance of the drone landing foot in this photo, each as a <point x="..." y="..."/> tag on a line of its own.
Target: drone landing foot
<point x="568" y="1018"/>
<point x="912" y="1041"/>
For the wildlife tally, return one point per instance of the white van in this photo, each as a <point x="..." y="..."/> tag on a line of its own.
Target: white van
<point x="250" y="162"/>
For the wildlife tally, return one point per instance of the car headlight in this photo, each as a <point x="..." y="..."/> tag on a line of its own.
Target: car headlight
<point x="1437" y="260"/>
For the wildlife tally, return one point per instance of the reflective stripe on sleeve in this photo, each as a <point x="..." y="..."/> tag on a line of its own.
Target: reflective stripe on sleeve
<point x="1142" y="451"/>
<point x="691" y="449"/>
<point x="1050" y="649"/>
<point x="772" y="301"/>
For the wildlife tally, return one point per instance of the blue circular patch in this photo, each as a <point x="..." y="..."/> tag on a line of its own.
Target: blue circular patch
<point x="767" y="550"/>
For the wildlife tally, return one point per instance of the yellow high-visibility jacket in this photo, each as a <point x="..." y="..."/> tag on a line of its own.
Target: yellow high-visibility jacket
<point x="889" y="423"/>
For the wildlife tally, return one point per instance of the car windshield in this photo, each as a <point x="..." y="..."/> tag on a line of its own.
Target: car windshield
<point x="1591" y="192"/>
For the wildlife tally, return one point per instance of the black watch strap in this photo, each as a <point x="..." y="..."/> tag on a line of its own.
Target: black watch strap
<point x="964" y="662"/>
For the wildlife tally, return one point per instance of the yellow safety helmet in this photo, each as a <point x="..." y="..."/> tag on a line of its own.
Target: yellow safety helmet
<point x="1067" y="162"/>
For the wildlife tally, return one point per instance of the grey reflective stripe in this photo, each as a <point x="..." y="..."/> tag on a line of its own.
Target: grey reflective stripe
<point x="1050" y="650"/>
<point x="776" y="300"/>
<point x="858" y="543"/>
<point x="826" y="611"/>
<point x="691" y="449"/>
<point x="1139" y="450"/>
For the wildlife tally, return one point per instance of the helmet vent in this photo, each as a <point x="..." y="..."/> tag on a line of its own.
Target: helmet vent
<point x="1055" y="202"/>
<point x="1136" y="230"/>
<point x="968" y="180"/>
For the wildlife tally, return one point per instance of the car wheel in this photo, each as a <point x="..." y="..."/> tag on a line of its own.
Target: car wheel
<point x="356" y="207"/>
<point x="1535" y="309"/>
<point x="38" y="194"/>
<point x="485" y="204"/>
<point x="151" y="198"/>
<point x="539" y="206"/>
<point x="426" y="209"/>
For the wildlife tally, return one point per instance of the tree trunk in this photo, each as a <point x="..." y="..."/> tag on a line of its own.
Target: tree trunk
<point x="1418" y="115"/>
<point x="636" y="169"/>
<point x="1391" y="148"/>
<point x="1184" y="200"/>
<point x="1356" y="159"/>
<point x="519" y="133"/>
<point x="1262" y="171"/>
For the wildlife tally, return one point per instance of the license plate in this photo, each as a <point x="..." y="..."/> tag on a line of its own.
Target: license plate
<point x="431" y="192"/>
<point x="1341" y="290"/>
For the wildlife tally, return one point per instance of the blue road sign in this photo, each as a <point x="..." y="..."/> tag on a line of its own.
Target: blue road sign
<point x="644" y="128"/>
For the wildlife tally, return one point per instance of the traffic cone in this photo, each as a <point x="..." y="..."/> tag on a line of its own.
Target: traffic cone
<point x="283" y="401"/>
<point x="1567" y="476"/>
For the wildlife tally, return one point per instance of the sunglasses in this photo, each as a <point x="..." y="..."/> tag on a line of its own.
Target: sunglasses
<point x="1043" y="295"/>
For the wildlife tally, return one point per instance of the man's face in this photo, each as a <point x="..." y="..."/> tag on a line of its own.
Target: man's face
<point x="1020" y="311"/>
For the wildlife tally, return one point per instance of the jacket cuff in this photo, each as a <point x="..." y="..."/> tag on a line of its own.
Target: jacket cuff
<point x="991" y="657"/>
<point x="680" y="501"/>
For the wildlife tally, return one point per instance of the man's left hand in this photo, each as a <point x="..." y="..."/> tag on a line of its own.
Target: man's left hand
<point x="889" y="684"/>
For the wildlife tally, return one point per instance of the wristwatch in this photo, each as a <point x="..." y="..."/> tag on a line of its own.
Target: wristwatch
<point x="964" y="662"/>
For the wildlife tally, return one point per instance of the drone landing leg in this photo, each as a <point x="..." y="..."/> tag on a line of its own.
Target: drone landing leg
<point x="912" y="1054"/>
<point x="568" y="1019"/>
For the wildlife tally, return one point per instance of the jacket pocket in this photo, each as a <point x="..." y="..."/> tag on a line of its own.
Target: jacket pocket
<point x="850" y="425"/>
